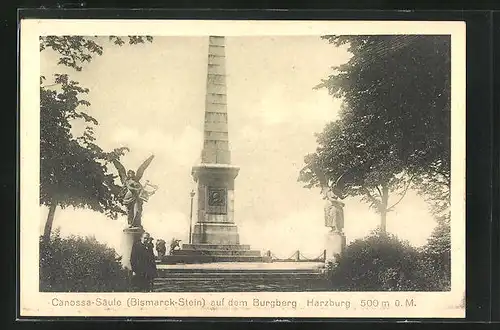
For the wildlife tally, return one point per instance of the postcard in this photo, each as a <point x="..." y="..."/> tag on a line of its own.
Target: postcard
<point x="204" y="168"/>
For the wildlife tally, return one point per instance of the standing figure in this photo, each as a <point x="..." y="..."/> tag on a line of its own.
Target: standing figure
<point x="143" y="264"/>
<point x="134" y="194"/>
<point x="150" y="244"/>
<point x="334" y="211"/>
<point x="161" y="248"/>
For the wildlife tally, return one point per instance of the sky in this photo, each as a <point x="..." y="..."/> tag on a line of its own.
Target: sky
<point x="151" y="99"/>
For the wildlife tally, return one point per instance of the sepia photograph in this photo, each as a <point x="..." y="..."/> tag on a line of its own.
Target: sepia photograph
<point x="243" y="170"/>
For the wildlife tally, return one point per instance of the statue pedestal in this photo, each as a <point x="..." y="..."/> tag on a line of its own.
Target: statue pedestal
<point x="335" y="243"/>
<point x="129" y="236"/>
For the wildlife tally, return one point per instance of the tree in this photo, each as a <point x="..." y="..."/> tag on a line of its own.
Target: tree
<point x="393" y="131"/>
<point x="74" y="51"/>
<point x="354" y="164"/>
<point x="73" y="169"/>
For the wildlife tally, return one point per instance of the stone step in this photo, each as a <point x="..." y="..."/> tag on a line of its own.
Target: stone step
<point x="217" y="253"/>
<point x="238" y="277"/>
<point x="191" y="259"/>
<point x="255" y="284"/>
<point x="220" y="247"/>
<point x="234" y="271"/>
<point x="241" y="277"/>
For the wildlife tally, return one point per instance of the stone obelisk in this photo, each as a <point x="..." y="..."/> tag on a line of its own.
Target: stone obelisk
<point x="215" y="175"/>
<point x="215" y="235"/>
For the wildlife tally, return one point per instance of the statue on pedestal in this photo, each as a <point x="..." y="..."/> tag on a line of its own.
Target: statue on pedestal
<point x="134" y="194"/>
<point x="333" y="191"/>
<point x="334" y="219"/>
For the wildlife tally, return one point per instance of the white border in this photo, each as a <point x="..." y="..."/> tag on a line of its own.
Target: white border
<point x="34" y="303"/>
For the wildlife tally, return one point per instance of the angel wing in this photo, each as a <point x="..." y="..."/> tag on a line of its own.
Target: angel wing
<point x="121" y="171"/>
<point x="143" y="167"/>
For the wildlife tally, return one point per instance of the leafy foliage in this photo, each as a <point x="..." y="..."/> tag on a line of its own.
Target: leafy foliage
<point x="78" y="264"/>
<point x="73" y="169"/>
<point x="394" y="127"/>
<point x="77" y="50"/>
<point x="385" y="263"/>
<point x="435" y="188"/>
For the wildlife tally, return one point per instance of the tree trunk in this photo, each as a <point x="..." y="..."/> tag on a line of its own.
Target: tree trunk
<point x="50" y="220"/>
<point x="383" y="222"/>
<point x="383" y="210"/>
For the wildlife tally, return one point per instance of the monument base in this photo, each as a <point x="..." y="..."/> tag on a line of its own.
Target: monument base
<point x="213" y="242"/>
<point x="215" y="233"/>
<point x="335" y="243"/>
<point x="206" y="253"/>
<point x="130" y="235"/>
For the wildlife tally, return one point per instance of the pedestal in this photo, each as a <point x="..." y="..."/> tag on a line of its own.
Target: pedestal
<point x="215" y="233"/>
<point x="215" y="205"/>
<point x="335" y="243"/>
<point x="129" y="236"/>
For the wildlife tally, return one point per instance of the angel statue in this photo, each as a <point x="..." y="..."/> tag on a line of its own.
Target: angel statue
<point x="134" y="194"/>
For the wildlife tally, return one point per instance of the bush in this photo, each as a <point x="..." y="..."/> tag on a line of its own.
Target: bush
<point x="76" y="264"/>
<point x="436" y="258"/>
<point x="385" y="263"/>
